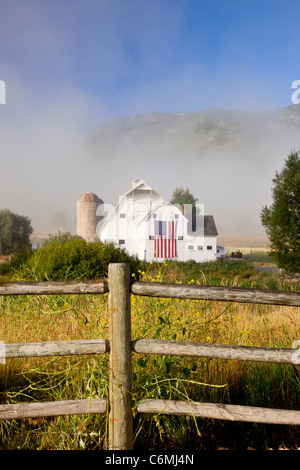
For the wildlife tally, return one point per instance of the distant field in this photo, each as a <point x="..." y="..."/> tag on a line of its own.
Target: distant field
<point x="255" y="252"/>
<point x="255" y="256"/>
<point x="259" y="257"/>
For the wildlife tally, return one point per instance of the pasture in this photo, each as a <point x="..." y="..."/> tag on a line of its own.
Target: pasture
<point x="52" y="318"/>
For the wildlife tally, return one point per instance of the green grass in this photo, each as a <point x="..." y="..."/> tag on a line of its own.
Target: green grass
<point x="259" y="257"/>
<point x="222" y="272"/>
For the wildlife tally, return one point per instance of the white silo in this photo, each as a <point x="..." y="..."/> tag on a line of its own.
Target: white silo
<point x="87" y="219"/>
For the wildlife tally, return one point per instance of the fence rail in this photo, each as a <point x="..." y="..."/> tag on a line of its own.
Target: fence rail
<point x="217" y="293"/>
<point x="219" y="411"/>
<point x="120" y="347"/>
<point x="56" y="348"/>
<point x="53" y="408"/>
<point x="220" y="351"/>
<point x="53" y="288"/>
<point x="156" y="289"/>
<point x="153" y="346"/>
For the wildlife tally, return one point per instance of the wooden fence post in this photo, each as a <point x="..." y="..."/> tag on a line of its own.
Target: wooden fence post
<point x="120" y="375"/>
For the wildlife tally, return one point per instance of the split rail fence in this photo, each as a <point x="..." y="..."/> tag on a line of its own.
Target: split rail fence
<point x="120" y="347"/>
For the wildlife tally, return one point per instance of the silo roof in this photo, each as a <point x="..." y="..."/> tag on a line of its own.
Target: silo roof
<point x="89" y="197"/>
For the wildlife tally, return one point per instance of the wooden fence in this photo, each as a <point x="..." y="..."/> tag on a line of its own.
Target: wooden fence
<point x="120" y="347"/>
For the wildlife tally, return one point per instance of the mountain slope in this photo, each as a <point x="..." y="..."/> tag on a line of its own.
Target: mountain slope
<point x="227" y="158"/>
<point x="211" y="130"/>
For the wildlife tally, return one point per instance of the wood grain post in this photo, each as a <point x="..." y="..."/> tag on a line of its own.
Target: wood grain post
<point x="120" y="376"/>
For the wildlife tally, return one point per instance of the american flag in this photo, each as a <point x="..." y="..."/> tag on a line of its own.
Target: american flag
<point x="165" y="239"/>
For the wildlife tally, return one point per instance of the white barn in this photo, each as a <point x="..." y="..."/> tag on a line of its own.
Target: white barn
<point x="155" y="230"/>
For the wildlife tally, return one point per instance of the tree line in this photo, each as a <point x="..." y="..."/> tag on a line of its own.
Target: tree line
<point x="15" y="231"/>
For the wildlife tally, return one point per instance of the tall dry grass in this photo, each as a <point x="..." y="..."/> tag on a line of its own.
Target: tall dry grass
<point x="48" y="318"/>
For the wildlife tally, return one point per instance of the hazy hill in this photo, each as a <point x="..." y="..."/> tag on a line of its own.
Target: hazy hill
<point x="214" y="130"/>
<point x="227" y="158"/>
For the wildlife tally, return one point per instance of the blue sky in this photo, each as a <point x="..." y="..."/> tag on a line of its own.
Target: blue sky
<point x="136" y="56"/>
<point x="70" y="65"/>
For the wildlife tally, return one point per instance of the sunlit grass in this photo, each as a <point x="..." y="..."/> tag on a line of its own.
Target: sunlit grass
<point x="51" y="318"/>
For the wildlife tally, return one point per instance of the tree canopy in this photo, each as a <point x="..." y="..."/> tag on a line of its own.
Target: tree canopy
<point x="15" y="230"/>
<point x="282" y="219"/>
<point x="183" y="196"/>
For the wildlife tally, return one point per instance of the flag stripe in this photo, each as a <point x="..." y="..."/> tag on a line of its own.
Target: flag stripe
<point x="165" y="239"/>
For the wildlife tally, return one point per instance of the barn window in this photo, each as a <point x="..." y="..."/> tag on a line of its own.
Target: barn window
<point x="121" y="242"/>
<point x="191" y="247"/>
<point x="122" y="215"/>
<point x="209" y="247"/>
<point x="200" y="247"/>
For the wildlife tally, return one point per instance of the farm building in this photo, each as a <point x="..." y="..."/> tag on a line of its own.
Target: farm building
<point x="87" y="219"/>
<point x="153" y="229"/>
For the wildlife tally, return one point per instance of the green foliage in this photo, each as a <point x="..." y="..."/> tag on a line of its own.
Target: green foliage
<point x="65" y="257"/>
<point x="14" y="231"/>
<point x="183" y="196"/>
<point x="282" y="218"/>
<point x="19" y="256"/>
<point x="62" y="237"/>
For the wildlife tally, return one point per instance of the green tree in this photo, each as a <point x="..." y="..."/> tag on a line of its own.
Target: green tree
<point x="15" y="231"/>
<point x="183" y="196"/>
<point x="282" y="219"/>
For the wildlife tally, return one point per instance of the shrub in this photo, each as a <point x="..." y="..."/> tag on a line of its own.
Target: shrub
<point x="72" y="258"/>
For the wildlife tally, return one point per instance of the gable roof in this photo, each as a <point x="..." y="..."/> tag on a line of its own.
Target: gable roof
<point x="158" y="206"/>
<point x="140" y="184"/>
<point x="136" y="185"/>
<point x="204" y="223"/>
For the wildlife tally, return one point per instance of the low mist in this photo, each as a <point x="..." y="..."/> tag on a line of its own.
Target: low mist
<point x="228" y="164"/>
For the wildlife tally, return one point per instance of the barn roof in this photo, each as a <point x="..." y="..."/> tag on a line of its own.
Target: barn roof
<point x="204" y="223"/>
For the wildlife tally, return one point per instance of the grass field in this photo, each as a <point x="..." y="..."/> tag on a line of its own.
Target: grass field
<point x="48" y="318"/>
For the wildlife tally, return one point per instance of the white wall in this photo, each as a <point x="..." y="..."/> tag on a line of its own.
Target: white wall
<point x="192" y="250"/>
